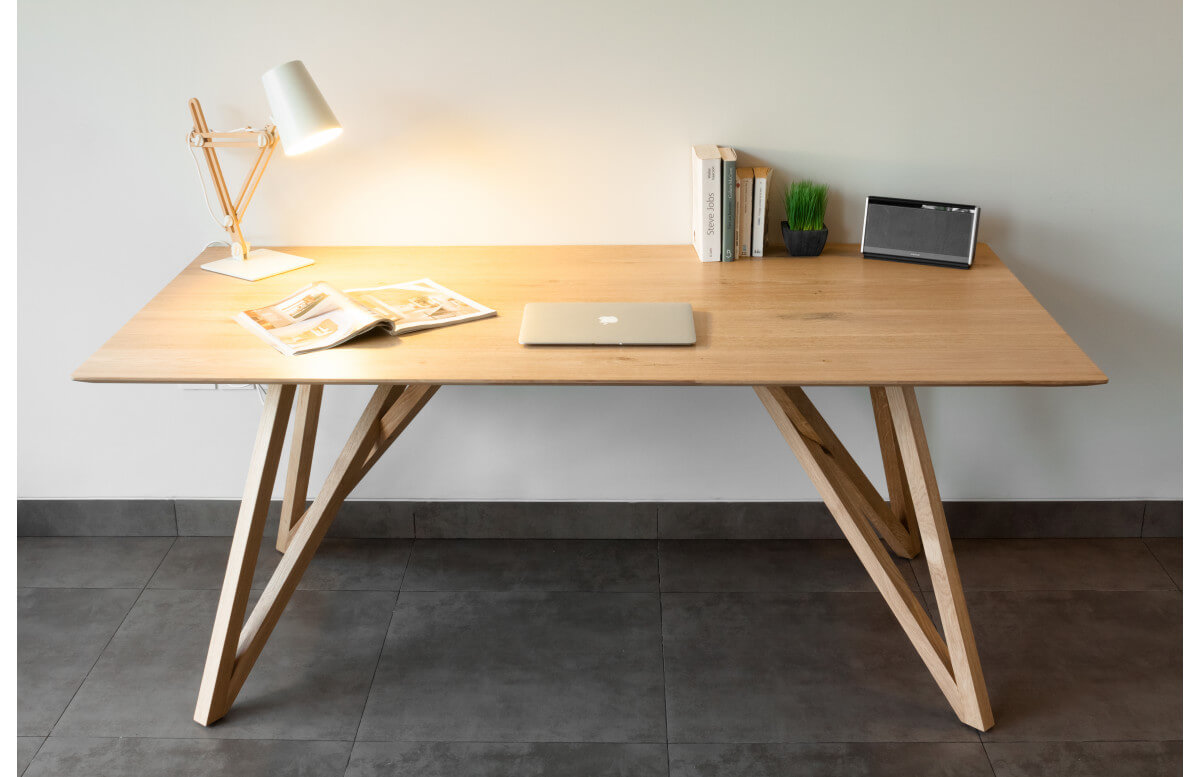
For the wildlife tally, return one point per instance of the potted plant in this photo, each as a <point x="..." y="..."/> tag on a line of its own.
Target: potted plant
<point x="804" y="232"/>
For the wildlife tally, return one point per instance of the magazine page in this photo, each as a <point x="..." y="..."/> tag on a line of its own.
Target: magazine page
<point x="315" y="317"/>
<point x="420" y="304"/>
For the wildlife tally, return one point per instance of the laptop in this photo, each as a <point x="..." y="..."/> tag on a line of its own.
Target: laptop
<point x="607" y="323"/>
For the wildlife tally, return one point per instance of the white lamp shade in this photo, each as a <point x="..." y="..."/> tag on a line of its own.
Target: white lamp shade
<point x="302" y="117"/>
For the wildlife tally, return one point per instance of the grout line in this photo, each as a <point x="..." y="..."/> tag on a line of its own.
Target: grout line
<point x="787" y="743"/>
<point x="825" y="591"/>
<point x="35" y="755"/>
<point x="1161" y="565"/>
<point x="988" y="756"/>
<point x="412" y="549"/>
<point x="912" y="567"/>
<point x="111" y="637"/>
<point x="662" y="643"/>
<point x="983" y="746"/>
<point x="1142" y="526"/>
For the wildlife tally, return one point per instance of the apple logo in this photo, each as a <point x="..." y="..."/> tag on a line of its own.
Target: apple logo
<point x="606" y="320"/>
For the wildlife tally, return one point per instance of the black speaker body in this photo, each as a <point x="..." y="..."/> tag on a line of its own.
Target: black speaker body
<point x="940" y="233"/>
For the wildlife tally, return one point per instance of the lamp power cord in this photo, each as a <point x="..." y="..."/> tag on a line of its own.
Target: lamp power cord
<point x="259" y="390"/>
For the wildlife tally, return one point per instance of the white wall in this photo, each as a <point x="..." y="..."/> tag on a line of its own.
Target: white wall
<point x="562" y="122"/>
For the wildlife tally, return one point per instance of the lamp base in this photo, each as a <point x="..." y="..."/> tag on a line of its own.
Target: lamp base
<point x="259" y="263"/>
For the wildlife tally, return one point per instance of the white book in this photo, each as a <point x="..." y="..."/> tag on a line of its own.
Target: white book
<point x="745" y="208"/>
<point x="706" y="202"/>
<point x="762" y="188"/>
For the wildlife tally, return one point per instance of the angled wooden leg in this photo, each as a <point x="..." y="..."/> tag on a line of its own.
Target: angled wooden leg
<point x="304" y="439"/>
<point x="815" y="456"/>
<point x="397" y="419"/>
<point x="899" y="495"/>
<point x="243" y="553"/>
<point x="387" y="413"/>
<point x="394" y="421"/>
<point x="862" y="494"/>
<point x="939" y="554"/>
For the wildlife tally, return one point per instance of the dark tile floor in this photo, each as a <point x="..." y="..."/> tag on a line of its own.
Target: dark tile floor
<point x="594" y="657"/>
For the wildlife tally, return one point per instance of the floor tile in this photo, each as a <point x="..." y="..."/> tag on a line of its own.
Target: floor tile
<point x="746" y="521"/>
<point x="82" y="757"/>
<point x="358" y="518"/>
<point x="765" y="566"/>
<point x="525" y="759"/>
<point x="217" y="517"/>
<point x="1169" y="552"/>
<point x="309" y="683"/>
<point x="60" y="634"/>
<point x="1099" y="518"/>
<point x="198" y="563"/>
<point x="532" y="565"/>
<point x="519" y="667"/>
<point x="95" y="518"/>
<point x="340" y="565"/>
<point x="537" y="520"/>
<point x="390" y="519"/>
<point x="1081" y="665"/>
<point x="27" y="747"/>
<point x="1052" y="564"/>
<point x="859" y="759"/>
<point x="1164" y="518"/>
<point x="88" y="562"/>
<point x="1086" y="759"/>
<point x="809" y="667"/>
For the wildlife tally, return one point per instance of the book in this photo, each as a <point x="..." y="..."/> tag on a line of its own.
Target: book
<point x="319" y="316"/>
<point x="728" y="203"/>
<point x="762" y="189"/>
<point x="706" y="202"/>
<point x="745" y="209"/>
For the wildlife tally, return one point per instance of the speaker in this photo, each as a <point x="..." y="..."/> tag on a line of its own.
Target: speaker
<point x="940" y="233"/>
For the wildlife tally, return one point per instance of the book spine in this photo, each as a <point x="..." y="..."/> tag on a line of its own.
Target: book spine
<point x="760" y="216"/>
<point x="706" y="208"/>
<point x="711" y="211"/>
<point x="728" y="209"/>
<point x="697" y="196"/>
<point x="739" y="227"/>
<point x="745" y="213"/>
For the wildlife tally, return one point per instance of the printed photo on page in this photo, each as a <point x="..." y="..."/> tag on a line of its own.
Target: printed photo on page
<point x="417" y="305"/>
<point x="320" y="316"/>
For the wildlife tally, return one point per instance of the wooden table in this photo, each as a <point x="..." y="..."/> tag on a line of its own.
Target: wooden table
<point x="775" y="324"/>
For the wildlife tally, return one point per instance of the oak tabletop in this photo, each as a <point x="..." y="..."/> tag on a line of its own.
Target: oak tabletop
<point x="837" y="319"/>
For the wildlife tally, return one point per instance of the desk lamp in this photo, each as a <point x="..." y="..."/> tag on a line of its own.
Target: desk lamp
<point x="303" y="121"/>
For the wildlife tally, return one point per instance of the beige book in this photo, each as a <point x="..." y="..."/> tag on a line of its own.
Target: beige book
<point x="745" y="209"/>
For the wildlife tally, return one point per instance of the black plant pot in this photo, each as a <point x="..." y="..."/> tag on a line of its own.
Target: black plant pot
<point x="804" y="242"/>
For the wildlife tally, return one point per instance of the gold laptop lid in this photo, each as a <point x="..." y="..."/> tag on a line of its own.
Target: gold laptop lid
<point x="607" y="323"/>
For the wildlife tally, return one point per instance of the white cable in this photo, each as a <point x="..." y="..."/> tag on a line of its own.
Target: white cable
<point x="203" y="186"/>
<point x="200" y="176"/>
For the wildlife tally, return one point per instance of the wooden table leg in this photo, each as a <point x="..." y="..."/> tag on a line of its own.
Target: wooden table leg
<point x="304" y="439"/>
<point x="899" y="495"/>
<point x="861" y="492"/>
<point x="939" y="555"/>
<point x="243" y="554"/>
<point x="387" y="414"/>
<point x="953" y="662"/>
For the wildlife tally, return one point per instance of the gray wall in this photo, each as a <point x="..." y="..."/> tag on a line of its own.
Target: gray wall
<point x="555" y="122"/>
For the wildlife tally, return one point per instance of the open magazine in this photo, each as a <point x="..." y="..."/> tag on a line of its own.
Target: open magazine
<point x="320" y="316"/>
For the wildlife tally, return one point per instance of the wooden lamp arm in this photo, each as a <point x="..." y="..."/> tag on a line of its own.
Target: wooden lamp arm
<point x="264" y="140"/>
